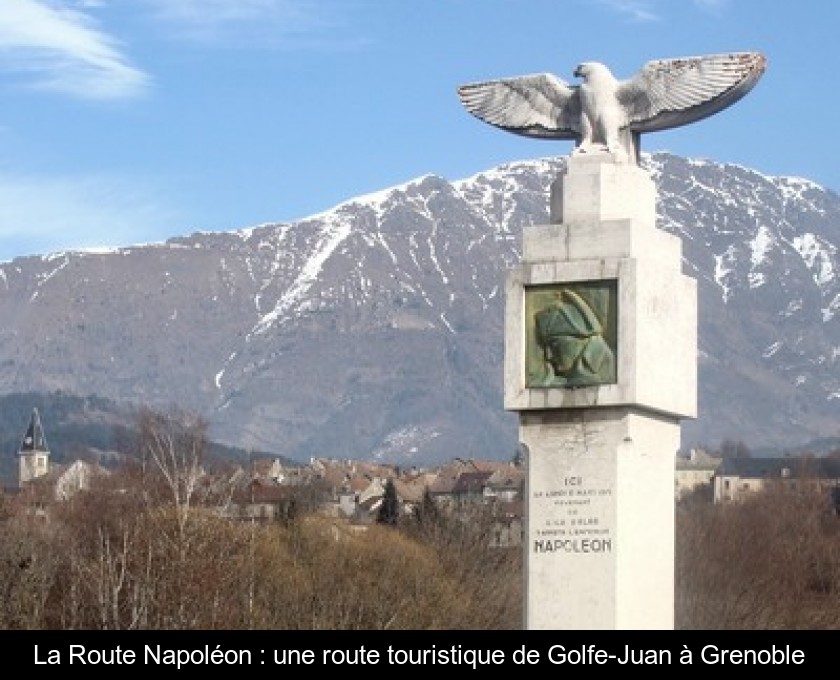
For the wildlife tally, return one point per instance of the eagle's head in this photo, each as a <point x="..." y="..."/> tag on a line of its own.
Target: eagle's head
<point x="590" y="70"/>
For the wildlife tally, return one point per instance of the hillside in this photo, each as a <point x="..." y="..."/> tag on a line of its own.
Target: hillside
<point x="374" y="329"/>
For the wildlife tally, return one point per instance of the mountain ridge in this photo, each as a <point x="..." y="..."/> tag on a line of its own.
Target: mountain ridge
<point x="374" y="329"/>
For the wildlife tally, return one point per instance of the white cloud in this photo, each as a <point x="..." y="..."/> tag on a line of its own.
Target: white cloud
<point x="62" y="49"/>
<point x="245" y="22"/>
<point x="48" y="214"/>
<point x="646" y="10"/>
<point x="636" y="10"/>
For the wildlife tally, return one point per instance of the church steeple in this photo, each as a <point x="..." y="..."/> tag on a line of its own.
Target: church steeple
<point x="34" y="454"/>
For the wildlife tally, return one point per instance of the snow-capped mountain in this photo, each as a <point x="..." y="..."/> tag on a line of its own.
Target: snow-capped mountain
<point x="375" y="329"/>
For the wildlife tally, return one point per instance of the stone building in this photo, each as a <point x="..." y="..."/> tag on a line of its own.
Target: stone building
<point x="694" y="471"/>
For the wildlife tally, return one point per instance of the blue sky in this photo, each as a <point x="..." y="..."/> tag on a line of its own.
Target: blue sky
<point x="131" y="121"/>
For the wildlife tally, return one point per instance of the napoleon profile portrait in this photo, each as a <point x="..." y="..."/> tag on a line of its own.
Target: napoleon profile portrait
<point x="571" y="334"/>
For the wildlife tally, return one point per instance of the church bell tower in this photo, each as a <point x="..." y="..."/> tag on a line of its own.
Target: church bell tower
<point x="34" y="456"/>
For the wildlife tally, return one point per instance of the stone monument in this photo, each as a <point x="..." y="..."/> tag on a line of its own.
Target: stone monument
<point x="601" y="338"/>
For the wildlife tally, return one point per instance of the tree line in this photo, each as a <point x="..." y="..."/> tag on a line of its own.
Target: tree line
<point x="147" y="548"/>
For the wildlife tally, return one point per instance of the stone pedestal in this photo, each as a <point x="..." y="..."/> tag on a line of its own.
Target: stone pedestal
<point x="600" y="363"/>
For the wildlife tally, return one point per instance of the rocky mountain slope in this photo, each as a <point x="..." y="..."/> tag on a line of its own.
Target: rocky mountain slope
<point x="374" y="330"/>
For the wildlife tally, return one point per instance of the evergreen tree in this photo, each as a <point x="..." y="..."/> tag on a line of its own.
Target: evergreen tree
<point x="389" y="510"/>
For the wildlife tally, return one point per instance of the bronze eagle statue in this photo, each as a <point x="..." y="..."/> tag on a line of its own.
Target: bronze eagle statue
<point x="607" y="114"/>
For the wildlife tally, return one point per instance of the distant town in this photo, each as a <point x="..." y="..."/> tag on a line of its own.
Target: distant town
<point x="354" y="490"/>
<point x="168" y="540"/>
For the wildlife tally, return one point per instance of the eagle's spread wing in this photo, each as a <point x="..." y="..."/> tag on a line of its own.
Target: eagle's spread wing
<point x="538" y="105"/>
<point x="668" y="93"/>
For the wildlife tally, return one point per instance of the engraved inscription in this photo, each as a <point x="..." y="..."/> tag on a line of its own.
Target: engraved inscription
<point x="574" y="518"/>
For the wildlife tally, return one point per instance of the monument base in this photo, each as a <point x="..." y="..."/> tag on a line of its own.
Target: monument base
<point x="600" y="526"/>
<point x="601" y="364"/>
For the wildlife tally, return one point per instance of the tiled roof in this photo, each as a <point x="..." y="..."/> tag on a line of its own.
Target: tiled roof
<point x="507" y="478"/>
<point x="258" y="492"/>
<point x="470" y="482"/>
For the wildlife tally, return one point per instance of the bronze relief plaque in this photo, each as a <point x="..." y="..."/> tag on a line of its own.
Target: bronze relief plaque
<point x="571" y="334"/>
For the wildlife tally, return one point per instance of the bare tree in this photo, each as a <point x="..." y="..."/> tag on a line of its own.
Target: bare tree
<point x="463" y="540"/>
<point x="771" y="561"/>
<point x="172" y="446"/>
<point x="29" y="568"/>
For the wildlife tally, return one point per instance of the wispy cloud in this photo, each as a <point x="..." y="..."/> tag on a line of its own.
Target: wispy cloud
<point x="60" y="48"/>
<point x="644" y="11"/>
<point x="635" y="10"/>
<point x="255" y="23"/>
<point x="48" y="214"/>
<point x="711" y="6"/>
